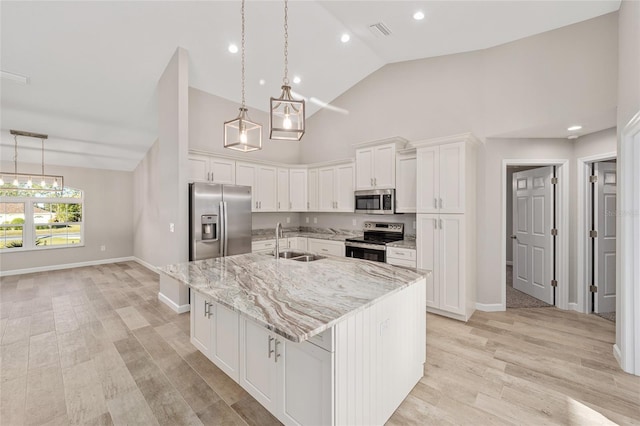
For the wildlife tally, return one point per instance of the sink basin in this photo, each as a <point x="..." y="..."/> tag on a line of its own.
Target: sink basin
<point x="307" y="258"/>
<point x="291" y="254"/>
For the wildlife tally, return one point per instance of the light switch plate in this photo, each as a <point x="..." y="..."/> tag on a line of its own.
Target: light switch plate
<point x="354" y="222"/>
<point x="306" y="219"/>
<point x="288" y="220"/>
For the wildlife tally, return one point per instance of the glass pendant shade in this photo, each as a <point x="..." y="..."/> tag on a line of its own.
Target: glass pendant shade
<point x="242" y="134"/>
<point x="286" y="120"/>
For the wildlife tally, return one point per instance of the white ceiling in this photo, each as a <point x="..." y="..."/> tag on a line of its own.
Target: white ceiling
<point x="93" y="66"/>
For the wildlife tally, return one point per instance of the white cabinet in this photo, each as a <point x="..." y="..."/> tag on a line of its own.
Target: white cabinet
<point x="313" y="188"/>
<point x="298" y="190"/>
<point x="265" y="245"/>
<point x="263" y="182"/>
<point x="441" y="172"/>
<point x="298" y="243"/>
<point x="284" y="203"/>
<point x="401" y="257"/>
<point x="203" y="168"/>
<point x="215" y="332"/>
<point x="406" y="182"/>
<point x="376" y="167"/>
<point x="333" y="248"/>
<point x="291" y="380"/>
<point x="335" y="188"/>
<point x="446" y="223"/>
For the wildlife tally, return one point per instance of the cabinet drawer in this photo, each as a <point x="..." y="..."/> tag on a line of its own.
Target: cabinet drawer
<point x="401" y="254"/>
<point x="333" y="248"/>
<point x="401" y="262"/>
<point x="324" y="340"/>
<point x="266" y="245"/>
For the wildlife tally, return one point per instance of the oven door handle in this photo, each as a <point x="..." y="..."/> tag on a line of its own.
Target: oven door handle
<point x="378" y="247"/>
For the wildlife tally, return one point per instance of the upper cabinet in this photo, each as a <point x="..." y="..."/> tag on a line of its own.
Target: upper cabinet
<point x="376" y="164"/>
<point x="442" y="174"/>
<point x="263" y="182"/>
<point x="312" y="190"/>
<point x="335" y="188"/>
<point x="284" y="203"/>
<point x="298" y="200"/>
<point x="203" y="168"/>
<point x="406" y="182"/>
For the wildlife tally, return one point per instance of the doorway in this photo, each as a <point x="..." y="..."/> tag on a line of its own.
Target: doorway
<point x="560" y="252"/>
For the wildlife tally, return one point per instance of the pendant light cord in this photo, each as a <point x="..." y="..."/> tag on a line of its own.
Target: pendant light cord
<point x="42" y="148"/>
<point x="15" y="154"/>
<point x="285" y="80"/>
<point x="242" y="47"/>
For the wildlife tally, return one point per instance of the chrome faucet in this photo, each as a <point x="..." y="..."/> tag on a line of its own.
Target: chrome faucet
<point x="279" y="235"/>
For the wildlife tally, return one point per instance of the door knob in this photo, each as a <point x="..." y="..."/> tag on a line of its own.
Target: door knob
<point x="514" y="237"/>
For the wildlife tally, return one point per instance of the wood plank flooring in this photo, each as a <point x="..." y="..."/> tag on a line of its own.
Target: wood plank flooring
<point x="94" y="345"/>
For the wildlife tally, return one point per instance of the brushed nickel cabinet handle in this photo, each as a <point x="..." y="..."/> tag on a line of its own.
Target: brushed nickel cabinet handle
<point x="271" y="339"/>
<point x="206" y="308"/>
<point x="435" y="203"/>
<point x="277" y="355"/>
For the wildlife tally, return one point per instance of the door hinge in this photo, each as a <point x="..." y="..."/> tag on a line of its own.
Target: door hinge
<point x="554" y="232"/>
<point x="554" y="181"/>
<point x="593" y="288"/>
<point x="554" y="283"/>
<point x="593" y="178"/>
<point x="593" y="234"/>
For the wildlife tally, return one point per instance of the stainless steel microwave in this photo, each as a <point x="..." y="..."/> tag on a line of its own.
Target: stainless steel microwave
<point x="375" y="201"/>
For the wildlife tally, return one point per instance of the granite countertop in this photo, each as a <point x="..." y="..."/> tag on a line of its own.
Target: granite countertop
<point x="296" y="300"/>
<point x="408" y="243"/>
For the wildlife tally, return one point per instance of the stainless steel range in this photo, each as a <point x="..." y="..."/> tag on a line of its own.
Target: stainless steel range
<point x="373" y="245"/>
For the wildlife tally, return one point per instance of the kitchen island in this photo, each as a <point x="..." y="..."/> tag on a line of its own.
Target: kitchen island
<point x="329" y="342"/>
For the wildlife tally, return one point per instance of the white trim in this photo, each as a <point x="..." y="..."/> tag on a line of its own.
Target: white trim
<point x="562" y="224"/>
<point x="582" y="249"/>
<point x="146" y="264"/>
<point x="574" y="307"/>
<point x="461" y="137"/>
<point x="616" y="354"/>
<point x="628" y="248"/>
<point x="400" y="143"/>
<point x="490" y="307"/>
<point x="177" y="308"/>
<point x="65" y="266"/>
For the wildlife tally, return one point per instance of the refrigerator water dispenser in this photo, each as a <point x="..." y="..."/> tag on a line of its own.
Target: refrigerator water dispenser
<point x="209" y="231"/>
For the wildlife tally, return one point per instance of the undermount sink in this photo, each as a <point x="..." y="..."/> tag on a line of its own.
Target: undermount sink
<point x="291" y="254"/>
<point x="307" y="258"/>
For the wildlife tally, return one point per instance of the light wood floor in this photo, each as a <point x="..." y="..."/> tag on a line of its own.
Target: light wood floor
<point x="94" y="346"/>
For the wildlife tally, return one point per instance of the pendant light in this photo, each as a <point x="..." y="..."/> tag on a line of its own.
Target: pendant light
<point x="286" y="117"/>
<point x="242" y="134"/>
<point x="24" y="181"/>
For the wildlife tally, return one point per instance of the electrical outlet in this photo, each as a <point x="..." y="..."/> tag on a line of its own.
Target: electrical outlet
<point x="354" y="222"/>
<point x="103" y="248"/>
<point x="172" y="227"/>
<point x="288" y="220"/>
<point x="315" y="220"/>
<point x="306" y="219"/>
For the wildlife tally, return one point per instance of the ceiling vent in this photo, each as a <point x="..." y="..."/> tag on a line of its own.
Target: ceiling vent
<point x="380" y="29"/>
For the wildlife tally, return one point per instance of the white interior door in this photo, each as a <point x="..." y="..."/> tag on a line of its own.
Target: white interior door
<point x="605" y="224"/>
<point x="532" y="240"/>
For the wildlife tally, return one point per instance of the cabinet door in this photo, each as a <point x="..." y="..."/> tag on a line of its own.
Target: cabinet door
<point x="428" y="177"/>
<point x="406" y="182"/>
<point x="452" y="261"/>
<point x="200" y="323"/>
<point x="384" y="166"/>
<point x="452" y="178"/>
<point x="267" y="189"/>
<point x="333" y="248"/>
<point x="223" y="171"/>
<point x="364" y="168"/>
<point x="283" y="190"/>
<point x="298" y="190"/>
<point x="428" y="239"/>
<point x="258" y="369"/>
<point x="344" y="188"/>
<point x="246" y="175"/>
<point x="226" y="340"/>
<point x="326" y="184"/>
<point x="312" y="190"/>
<point x="198" y="168"/>
<point x="306" y="375"/>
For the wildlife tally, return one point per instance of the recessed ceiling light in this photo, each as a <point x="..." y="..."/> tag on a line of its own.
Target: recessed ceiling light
<point x="233" y="48"/>
<point x="262" y="82"/>
<point x="345" y="38"/>
<point x="296" y="80"/>
<point x="418" y="16"/>
<point x="574" y="128"/>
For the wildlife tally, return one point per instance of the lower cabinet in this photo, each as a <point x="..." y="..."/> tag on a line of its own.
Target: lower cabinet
<point x="401" y="257"/>
<point x="291" y="380"/>
<point x="215" y="332"/>
<point x="298" y="243"/>
<point x="333" y="248"/>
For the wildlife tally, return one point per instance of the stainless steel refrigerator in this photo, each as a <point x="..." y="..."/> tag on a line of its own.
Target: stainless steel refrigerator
<point x="219" y="220"/>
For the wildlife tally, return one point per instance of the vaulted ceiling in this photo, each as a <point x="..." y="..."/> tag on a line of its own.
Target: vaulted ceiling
<point x="92" y="67"/>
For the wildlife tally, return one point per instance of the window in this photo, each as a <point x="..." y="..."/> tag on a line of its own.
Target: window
<point x="32" y="220"/>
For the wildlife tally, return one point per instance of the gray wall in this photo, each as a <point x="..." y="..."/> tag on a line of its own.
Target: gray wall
<point x="107" y="218"/>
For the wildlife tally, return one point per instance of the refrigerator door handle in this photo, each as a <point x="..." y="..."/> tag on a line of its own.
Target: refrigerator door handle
<point x="223" y="229"/>
<point x="225" y="237"/>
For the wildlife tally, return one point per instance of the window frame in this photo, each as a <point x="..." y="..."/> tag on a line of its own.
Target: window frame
<point x="29" y="226"/>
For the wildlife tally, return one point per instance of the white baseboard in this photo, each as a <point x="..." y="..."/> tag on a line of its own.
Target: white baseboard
<point x="509" y="262"/>
<point x="490" y="307"/>
<point x="617" y="354"/>
<point x="146" y="264"/>
<point x="170" y="303"/>
<point x="573" y="307"/>
<point x="65" y="266"/>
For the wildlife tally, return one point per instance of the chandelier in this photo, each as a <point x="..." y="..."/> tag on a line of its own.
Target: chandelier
<point x="29" y="181"/>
